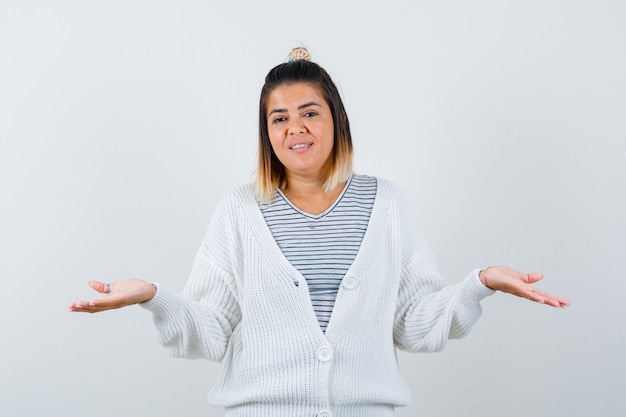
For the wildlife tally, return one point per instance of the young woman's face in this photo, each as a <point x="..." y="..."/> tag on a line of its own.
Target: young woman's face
<point x="301" y="129"/>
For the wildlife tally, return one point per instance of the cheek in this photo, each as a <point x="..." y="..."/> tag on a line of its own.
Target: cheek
<point x="275" y="141"/>
<point x="273" y="137"/>
<point x="329" y="138"/>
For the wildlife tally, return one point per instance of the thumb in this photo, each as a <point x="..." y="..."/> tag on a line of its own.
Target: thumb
<point x="532" y="277"/>
<point x="101" y="287"/>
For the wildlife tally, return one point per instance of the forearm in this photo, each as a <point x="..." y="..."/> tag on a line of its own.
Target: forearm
<point x="429" y="320"/>
<point x="189" y="329"/>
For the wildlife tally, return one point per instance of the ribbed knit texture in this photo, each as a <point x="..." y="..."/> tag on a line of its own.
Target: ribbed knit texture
<point x="241" y="306"/>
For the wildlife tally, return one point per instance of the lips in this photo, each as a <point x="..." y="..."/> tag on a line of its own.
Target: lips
<point x="300" y="146"/>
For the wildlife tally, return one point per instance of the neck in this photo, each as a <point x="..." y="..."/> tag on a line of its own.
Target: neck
<point x="306" y="183"/>
<point x="309" y="195"/>
<point x="305" y="188"/>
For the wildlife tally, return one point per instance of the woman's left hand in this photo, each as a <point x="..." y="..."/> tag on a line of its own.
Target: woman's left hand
<point x="502" y="278"/>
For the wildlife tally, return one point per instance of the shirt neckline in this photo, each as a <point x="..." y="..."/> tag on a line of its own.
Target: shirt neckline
<point x="325" y="212"/>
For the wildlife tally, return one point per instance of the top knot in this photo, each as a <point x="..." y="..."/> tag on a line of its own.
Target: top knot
<point x="298" y="54"/>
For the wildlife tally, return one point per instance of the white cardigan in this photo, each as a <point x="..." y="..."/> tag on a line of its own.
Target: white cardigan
<point x="247" y="306"/>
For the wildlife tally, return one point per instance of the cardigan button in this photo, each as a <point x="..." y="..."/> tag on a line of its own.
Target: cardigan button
<point x="350" y="282"/>
<point x="325" y="353"/>
<point x="324" y="413"/>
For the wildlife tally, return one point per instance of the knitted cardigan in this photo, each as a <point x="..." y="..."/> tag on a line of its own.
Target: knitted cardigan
<point x="247" y="306"/>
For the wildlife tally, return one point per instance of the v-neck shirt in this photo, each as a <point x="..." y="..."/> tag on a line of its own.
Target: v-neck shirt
<point x="322" y="247"/>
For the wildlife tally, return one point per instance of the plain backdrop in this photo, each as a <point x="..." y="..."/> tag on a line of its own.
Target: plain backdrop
<point x="123" y="122"/>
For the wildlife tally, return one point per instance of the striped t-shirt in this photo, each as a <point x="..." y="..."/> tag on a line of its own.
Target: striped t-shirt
<point x="322" y="247"/>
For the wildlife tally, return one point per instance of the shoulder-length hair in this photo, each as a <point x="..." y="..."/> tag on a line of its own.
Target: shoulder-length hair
<point x="270" y="171"/>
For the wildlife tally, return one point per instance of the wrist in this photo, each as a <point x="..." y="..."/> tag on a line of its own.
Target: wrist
<point x="153" y="291"/>
<point x="482" y="276"/>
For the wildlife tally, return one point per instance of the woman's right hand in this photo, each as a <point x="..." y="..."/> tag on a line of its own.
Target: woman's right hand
<point x="121" y="294"/>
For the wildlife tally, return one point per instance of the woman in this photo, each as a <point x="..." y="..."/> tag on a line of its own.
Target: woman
<point x="306" y="283"/>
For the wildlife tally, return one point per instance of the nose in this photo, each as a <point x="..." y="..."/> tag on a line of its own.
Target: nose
<point x="296" y="125"/>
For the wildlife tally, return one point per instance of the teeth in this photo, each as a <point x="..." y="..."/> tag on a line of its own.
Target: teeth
<point x="300" y="145"/>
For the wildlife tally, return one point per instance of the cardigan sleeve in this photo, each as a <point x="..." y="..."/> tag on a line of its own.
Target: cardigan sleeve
<point x="428" y="310"/>
<point x="199" y="322"/>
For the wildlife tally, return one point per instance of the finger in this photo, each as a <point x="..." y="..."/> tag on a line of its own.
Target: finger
<point x="536" y="296"/>
<point x="553" y="300"/>
<point x="77" y="306"/>
<point x="89" y="309"/>
<point x="564" y="301"/>
<point x="558" y="301"/>
<point x="94" y="306"/>
<point x="101" y="287"/>
<point x="84" y="307"/>
<point x="532" y="277"/>
<point x="545" y="298"/>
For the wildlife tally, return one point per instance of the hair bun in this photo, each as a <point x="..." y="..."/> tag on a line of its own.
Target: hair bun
<point x="299" y="53"/>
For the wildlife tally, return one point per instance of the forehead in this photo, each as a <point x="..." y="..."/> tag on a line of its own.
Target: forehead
<point x="291" y="96"/>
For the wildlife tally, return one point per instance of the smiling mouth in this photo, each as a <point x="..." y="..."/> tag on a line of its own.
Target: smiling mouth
<point x="300" y="146"/>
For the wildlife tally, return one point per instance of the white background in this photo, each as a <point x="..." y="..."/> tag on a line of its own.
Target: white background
<point x="123" y="122"/>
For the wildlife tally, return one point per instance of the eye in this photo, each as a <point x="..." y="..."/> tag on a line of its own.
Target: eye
<point x="277" y="120"/>
<point x="310" y="113"/>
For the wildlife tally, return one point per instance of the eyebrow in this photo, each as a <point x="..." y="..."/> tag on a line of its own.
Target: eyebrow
<point x="302" y="106"/>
